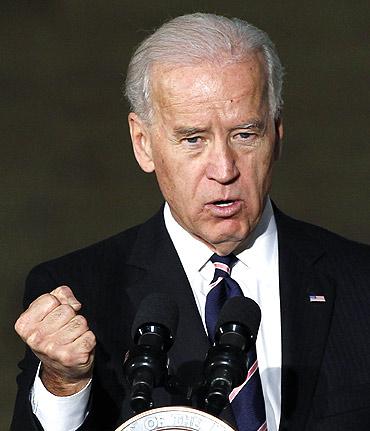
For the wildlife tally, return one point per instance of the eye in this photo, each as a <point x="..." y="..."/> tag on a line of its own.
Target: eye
<point x="193" y="140"/>
<point x="243" y="135"/>
<point x="244" y="138"/>
<point x="192" y="144"/>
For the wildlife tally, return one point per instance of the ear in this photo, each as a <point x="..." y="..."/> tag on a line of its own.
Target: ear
<point x="141" y="142"/>
<point x="279" y="133"/>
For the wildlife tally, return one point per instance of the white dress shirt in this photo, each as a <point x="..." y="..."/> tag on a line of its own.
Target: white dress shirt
<point x="257" y="273"/>
<point x="59" y="413"/>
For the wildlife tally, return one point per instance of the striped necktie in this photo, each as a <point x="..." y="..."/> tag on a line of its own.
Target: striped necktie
<point x="247" y="400"/>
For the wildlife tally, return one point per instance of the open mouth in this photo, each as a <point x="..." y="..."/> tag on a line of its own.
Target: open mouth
<point x="223" y="203"/>
<point x="224" y="207"/>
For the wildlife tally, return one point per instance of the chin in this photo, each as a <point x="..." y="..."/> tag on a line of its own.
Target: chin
<point x="228" y="238"/>
<point x="232" y="230"/>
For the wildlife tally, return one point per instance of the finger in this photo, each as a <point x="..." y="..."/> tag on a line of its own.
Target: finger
<point x="43" y="337"/>
<point x="76" y="355"/>
<point x="65" y="296"/>
<point x="35" y="313"/>
<point x="72" y="330"/>
<point x="71" y="355"/>
<point x="85" y="344"/>
<point x="56" y="319"/>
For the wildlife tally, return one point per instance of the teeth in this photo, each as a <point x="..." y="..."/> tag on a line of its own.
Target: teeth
<point x="224" y="204"/>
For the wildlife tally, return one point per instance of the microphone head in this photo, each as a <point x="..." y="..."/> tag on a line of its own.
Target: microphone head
<point x="243" y="311"/>
<point x="158" y="309"/>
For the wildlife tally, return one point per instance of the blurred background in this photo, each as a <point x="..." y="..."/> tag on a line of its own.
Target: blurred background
<point x="68" y="177"/>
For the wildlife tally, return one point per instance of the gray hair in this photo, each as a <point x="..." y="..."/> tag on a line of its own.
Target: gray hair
<point x="198" y="38"/>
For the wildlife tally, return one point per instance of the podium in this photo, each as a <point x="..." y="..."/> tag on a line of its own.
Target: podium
<point x="174" y="418"/>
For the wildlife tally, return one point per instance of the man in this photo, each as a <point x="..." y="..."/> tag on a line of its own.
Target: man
<point x="205" y="93"/>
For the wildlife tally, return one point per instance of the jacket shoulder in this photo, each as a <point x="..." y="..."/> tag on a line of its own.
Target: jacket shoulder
<point x="312" y="239"/>
<point x="102" y="262"/>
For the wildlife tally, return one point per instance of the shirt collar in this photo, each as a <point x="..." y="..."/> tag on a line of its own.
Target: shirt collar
<point x="253" y="252"/>
<point x="192" y="252"/>
<point x="260" y="248"/>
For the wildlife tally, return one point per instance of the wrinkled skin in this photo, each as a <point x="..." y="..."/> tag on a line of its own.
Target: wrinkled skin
<point x="212" y="144"/>
<point x="61" y="339"/>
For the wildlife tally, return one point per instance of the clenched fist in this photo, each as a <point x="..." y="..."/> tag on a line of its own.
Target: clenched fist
<point x="61" y="339"/>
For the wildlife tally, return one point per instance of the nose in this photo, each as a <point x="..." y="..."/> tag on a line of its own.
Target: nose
<point x="221" y="164"/>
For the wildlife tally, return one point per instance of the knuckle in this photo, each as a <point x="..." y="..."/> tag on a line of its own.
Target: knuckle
<point x="49" y="300"/>
<point x="92" y="338"/>
<point x="66" y="311"/>
<point x="84" y="359"/>
<point x="87" y="346"/>
<point x="67" y="357"/>
<point x="35" y="339"/>
<point x="44" y="304"/>
<point x="89" y="340"/>
<point x="50" y="350"/>
<point x="31" y="316"/>
<point x="20" y="326"/>
<point x="64" y="294"/>
<point x="86" y="342"/>
<point x="77" y="324"/>
<point x="79" y="321"/>
<point x="39" y="299"/>
<point x="62" y="290"/>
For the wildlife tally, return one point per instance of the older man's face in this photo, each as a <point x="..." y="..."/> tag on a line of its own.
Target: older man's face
<point x="212" y="145"/>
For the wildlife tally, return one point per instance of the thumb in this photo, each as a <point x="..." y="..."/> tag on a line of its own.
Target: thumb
<point x="65" y="296"/>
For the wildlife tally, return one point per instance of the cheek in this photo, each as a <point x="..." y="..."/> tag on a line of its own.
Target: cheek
<point x="163" y="173"/>
<point x="257" y="172"/>
<point x="180" y="176"/>
<point x="171" y="181"/>
<point x="268" y="163"/>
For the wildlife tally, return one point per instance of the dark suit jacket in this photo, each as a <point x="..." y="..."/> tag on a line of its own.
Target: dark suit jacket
<point x="325" y="346"/>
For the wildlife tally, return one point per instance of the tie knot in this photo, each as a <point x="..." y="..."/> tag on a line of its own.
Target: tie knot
<point x="223" y="263"/>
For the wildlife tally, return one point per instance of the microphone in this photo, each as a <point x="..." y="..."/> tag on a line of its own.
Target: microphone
<point x="153" y="333"/>
<point x="226" y="365"/>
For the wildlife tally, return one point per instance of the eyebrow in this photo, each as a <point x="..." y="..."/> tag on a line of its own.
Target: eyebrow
<point x="187" y="131"/>
<point x="258" y="124"/>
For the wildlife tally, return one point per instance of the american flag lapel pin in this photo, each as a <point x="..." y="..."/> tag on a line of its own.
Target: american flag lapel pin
<point x="317" y="298"/>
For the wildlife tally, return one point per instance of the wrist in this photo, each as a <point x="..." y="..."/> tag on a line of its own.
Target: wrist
<point x="62" y="385"/>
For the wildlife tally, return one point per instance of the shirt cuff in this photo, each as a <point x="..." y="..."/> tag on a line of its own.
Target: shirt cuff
<point x="59" y="413"/>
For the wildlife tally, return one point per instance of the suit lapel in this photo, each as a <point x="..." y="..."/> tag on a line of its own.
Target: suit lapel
<point x="304" y="324"/>
<point x="163" y="272"/>
<point x="154" y="253"/>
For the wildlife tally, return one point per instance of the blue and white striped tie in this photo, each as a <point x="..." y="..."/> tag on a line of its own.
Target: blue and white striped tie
<point x="247" y="400"/>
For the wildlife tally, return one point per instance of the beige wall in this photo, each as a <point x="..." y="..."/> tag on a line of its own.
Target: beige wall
<point x="67" y="174"/>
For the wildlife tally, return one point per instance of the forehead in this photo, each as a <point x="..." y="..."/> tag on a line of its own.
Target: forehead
<point x="199" y="88"/>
